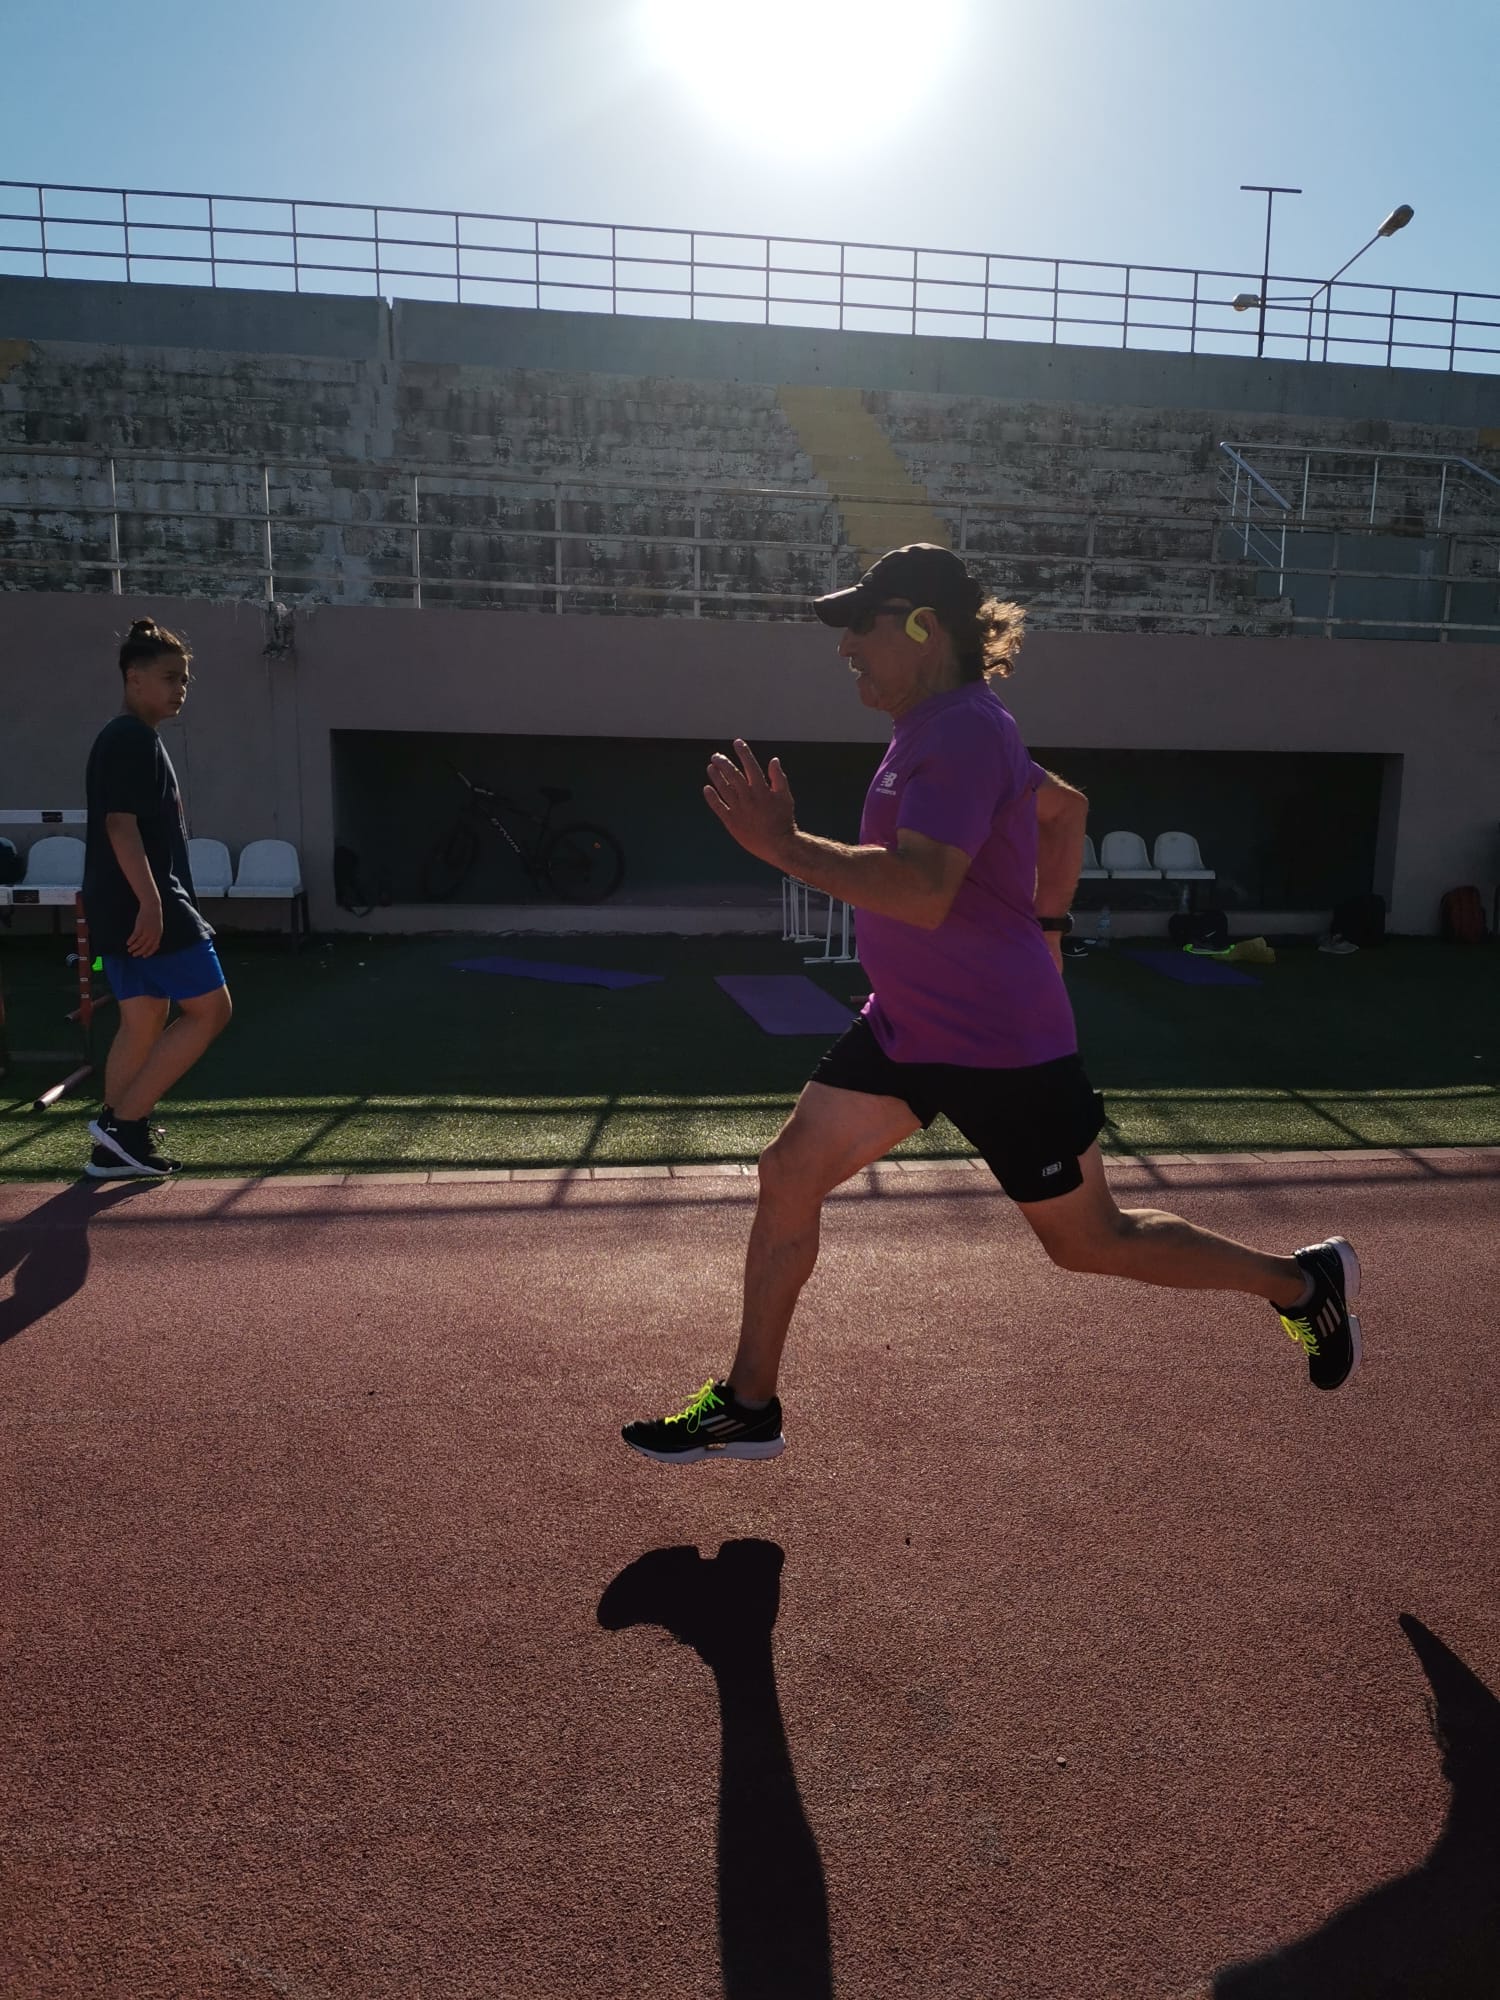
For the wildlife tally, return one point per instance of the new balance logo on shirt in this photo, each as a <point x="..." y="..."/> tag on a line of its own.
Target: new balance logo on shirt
<point x="889" y="781"/>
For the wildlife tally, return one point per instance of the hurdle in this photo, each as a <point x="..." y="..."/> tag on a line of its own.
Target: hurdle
<point x="81" y="959"/>
<point x="845" y="955"/>
<point x="796" y="923"/>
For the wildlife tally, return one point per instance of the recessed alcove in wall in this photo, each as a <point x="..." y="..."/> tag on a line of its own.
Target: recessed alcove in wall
<point x="1282" y="831"/>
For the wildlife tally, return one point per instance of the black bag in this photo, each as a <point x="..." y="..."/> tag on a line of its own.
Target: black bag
<point x="1208" y="929"/>
<point x="348" y="889"/>
<point x="1361" y="920"/>
<point x="12" y="866"/>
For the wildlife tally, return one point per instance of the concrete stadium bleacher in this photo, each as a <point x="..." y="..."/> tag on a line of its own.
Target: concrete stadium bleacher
<point x="734" y="477"/>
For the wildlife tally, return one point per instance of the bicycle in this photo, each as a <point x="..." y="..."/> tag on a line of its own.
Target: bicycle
<point x="579" y="863"/>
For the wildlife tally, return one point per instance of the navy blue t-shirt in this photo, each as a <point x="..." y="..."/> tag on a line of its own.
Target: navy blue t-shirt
<point x="129" y="771"/>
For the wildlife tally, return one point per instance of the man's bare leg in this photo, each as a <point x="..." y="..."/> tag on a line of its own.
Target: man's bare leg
<point x="173" y="1054"/>
<point x="142" y="1022"/>
<point x="1087" y="1231"/>
<point x="830" y="1135"/>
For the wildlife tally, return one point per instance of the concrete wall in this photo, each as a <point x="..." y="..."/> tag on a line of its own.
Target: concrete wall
<point x="255" y="748"/>
<point x="502" y="337"/>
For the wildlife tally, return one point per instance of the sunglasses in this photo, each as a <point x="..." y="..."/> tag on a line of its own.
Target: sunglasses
<point x="864" y="621"/>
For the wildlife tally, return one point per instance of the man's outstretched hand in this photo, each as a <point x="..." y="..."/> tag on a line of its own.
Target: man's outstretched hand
<point x="757" y="809"/>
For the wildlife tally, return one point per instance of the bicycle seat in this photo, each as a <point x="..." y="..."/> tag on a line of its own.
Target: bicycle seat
<point x="555" y="795"/>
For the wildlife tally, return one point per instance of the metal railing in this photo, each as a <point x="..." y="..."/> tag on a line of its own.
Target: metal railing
<point x="1339" y="488"/>
<point x="1339" y="493"/>
<point x="145" y="235"/>
<point x="1089" y="568"/>
<point x="1325" y="478"/>
<point x="1257" y="514"/>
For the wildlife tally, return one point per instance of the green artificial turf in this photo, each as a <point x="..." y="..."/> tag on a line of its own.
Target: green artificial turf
<point x="358" y="1054"/>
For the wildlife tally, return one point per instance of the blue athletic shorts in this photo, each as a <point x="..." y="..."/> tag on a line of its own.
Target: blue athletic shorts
<point x="166" y="975"/>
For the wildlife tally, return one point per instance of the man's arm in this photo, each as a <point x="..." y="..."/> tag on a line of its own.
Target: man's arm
<point x="916" y="880"/>
<point x="125" y="838"/>
<point x="1062" y="815"/>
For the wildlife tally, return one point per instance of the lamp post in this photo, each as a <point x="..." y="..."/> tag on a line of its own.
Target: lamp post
<point x="1242" y="301"/>
<point x="1397" y="219"/>
<point x="1270" y="193"/>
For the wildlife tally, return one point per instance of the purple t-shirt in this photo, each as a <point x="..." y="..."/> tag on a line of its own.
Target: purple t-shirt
<point x="982" y="989"/>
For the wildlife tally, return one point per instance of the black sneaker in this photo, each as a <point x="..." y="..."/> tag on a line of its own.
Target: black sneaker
<point x="713" y="1425"/>
<point x="125" y="1150"/>
<point x="1326" y="1328"/>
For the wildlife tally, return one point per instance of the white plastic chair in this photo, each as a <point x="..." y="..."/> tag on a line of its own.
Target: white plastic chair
<point x="1178" y="858"/>
<point x="1124" y="856"/>
<point x="54" y="863"/>
<point x="1091" y="871"/>
<point x="270" y="871"/>
<point x="210" y="866"/>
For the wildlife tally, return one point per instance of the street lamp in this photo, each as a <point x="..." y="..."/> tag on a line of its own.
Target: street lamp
<point x="1270" y="193"/>
<point x="1242" y="301"/>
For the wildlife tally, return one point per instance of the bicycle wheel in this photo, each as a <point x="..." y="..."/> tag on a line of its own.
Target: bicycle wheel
<point x="449" y="862"/>
<point x="582" y="864"/>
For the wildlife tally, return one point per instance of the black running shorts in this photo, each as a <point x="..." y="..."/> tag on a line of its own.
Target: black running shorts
<point x="1029" y="1126"/>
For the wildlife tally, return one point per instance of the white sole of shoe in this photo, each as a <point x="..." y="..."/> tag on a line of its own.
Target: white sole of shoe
<point x="1352" y="1275"/>
<point x="768" y="1448"/>
<point x="129" y="1164"/>
<point x="123" y="1173"/>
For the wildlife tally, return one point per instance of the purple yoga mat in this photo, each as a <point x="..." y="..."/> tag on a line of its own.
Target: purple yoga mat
<point x="560" y="975"/>
<point x="785" y="1003"/>
<point x="1189" y="970"/>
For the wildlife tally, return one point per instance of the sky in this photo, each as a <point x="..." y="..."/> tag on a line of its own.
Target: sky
<point x="1109" y="129"/>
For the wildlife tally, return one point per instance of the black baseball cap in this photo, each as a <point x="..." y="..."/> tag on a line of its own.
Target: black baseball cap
<point x="922" y="572"/>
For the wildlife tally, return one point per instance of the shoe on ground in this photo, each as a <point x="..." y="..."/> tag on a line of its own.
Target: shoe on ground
<point x="1326" y="1328"/>
<point x="713" y="1425"/>
<point x="1337" y="947"/>
<point x="125" y="1150"/>
<point x="158" y="1132"/>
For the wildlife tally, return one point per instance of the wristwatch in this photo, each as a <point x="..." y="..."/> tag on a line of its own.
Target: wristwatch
<point x="1063" y="924"/>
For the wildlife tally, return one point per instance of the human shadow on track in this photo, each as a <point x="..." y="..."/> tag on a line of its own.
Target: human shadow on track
<point x="49" y="1251"/>
<point x="1435" y="1932"/>
<point x="773" y="1901"/>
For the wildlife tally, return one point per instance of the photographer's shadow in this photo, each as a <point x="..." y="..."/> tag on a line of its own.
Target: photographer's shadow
<point x="772" y="1899"/>
<point x="1434" y="1932"/>
<point x="48" y="1250"/>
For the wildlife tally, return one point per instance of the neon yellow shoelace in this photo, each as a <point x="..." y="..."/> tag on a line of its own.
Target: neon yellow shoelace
<point x="707" y="1400"/>
<point x="1301" y="1331"/>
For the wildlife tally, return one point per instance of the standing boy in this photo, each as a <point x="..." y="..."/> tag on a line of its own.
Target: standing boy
<point x="143" y="918"/>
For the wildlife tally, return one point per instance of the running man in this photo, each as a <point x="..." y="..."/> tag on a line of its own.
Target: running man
<point x="143" y="917"/>
<point x="968" y="857"/>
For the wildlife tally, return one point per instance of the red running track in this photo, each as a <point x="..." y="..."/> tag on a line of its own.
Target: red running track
<point x="1075" y="1650"/>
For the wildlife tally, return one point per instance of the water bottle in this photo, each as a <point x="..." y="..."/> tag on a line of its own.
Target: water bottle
<point x="1101" y="933"/>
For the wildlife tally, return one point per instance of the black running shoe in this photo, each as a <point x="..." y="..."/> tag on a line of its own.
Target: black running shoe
<point x="158" y="1134"/>
<point x="1326" y="1328"/>
<point x="125" y="1150"/>
<point x="713" y="1425"/>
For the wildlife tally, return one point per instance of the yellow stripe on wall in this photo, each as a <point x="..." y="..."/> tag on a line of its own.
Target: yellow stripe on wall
<point x="854" y="457"/>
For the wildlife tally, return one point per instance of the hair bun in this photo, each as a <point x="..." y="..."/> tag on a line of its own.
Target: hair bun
<point x="143" y="628"/>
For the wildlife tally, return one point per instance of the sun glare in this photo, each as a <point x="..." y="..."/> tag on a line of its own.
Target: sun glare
<point x="803" y="75"/>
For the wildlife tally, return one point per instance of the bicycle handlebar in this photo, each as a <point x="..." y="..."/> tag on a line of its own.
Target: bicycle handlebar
<point x="476" y="791"/>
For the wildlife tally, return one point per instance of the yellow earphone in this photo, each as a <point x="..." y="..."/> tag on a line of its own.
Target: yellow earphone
<point x="914" y="630"/>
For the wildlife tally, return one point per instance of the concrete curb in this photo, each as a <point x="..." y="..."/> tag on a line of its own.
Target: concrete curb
<point x="888" y="1174"/>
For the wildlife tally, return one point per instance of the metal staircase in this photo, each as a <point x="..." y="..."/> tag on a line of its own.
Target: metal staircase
<point x="1360" y="543"/>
